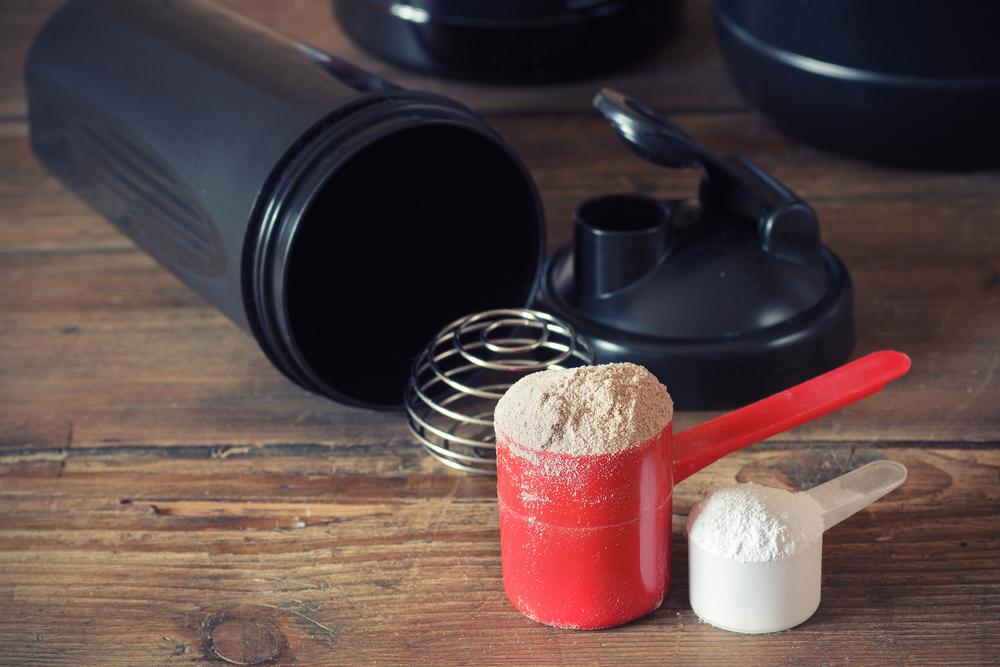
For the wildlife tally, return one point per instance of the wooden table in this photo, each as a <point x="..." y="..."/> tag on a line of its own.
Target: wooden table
<point x="166" y="496"/>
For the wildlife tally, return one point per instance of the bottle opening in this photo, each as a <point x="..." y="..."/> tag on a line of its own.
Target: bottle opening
<point x="621" y="213"/>
<point x="420" y="227"/>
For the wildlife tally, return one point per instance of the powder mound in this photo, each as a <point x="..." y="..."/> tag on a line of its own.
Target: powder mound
<point x="751" y="523"/>
<point x="585" y="410"/>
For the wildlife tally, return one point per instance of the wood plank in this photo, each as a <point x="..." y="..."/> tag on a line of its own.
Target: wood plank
<point x="686" y="73"/>
<point x="98" y="340"/>
<point x="575" y="158"/>
<point x="120" y="559"/>
<point x="19" y="21"/>
<point x="166" y="497"/>
<point x="111" y="347"/>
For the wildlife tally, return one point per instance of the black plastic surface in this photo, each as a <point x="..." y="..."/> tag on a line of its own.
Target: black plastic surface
<point x="520" y="40"/>
<point x="913" y="83"/>
<point x="339" y="218"/>
<point x="726" y="301"/>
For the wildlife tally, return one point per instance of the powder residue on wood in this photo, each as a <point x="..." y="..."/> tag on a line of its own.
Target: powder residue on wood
<point x="584" y="411"/>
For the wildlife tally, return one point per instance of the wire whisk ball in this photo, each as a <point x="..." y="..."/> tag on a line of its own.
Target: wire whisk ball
<point x="457" y="380"/>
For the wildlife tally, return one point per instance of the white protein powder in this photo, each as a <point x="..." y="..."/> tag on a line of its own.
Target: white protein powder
<point x="750" y="523"/>
<point x="754" y="558"/>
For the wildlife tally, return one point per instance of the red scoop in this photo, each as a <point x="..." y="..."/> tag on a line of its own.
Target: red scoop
<point x="585" y="540"/>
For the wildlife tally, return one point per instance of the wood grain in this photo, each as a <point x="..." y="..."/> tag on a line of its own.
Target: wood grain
<point x="687" y="73"/>
<point x="126" y="561"/>
<point x="166" y="497"/>
<point x="108" y="345"/>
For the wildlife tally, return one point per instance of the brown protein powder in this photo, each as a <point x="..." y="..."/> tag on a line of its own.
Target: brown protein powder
<point x="584" y="411"/>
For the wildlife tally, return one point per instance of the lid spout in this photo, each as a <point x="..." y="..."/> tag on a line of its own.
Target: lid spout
<point x="618" y="239"/>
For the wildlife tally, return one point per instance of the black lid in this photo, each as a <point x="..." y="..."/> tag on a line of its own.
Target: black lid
<point x="508" y="40"/>
<point x="725" y="300"/>
<point x="928" y="39"/>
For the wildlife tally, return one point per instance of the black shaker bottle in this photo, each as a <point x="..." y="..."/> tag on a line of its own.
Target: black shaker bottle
<point x="340" y="219"/>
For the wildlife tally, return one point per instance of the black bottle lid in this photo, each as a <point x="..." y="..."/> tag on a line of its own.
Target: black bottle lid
<point x="727" y="299"/>
<point x="508" y="40"/>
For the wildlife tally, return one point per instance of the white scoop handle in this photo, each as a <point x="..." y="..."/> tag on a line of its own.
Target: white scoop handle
<point x="852" y="492"/>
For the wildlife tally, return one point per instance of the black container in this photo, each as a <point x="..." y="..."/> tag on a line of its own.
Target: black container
<point x="726" y="300"/>
<point x="518" y="40"/>
<point x="913" y="83"/>
<point x="338" y="218"/>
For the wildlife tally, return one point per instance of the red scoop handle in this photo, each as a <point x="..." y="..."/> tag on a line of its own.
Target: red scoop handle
<point x="696" y="447"/>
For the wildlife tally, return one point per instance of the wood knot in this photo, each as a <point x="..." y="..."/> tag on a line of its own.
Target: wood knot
<point x="240" y="641"/>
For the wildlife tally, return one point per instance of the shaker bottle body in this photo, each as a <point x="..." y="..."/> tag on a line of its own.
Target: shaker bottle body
<point x="299" y="195"/>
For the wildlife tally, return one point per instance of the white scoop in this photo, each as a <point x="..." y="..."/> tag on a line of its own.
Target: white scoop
<point x="755" y="596"/>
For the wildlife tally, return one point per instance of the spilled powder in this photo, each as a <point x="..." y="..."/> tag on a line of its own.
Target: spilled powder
<point x="583" y="411"/>
<point x="750" y="523"/>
